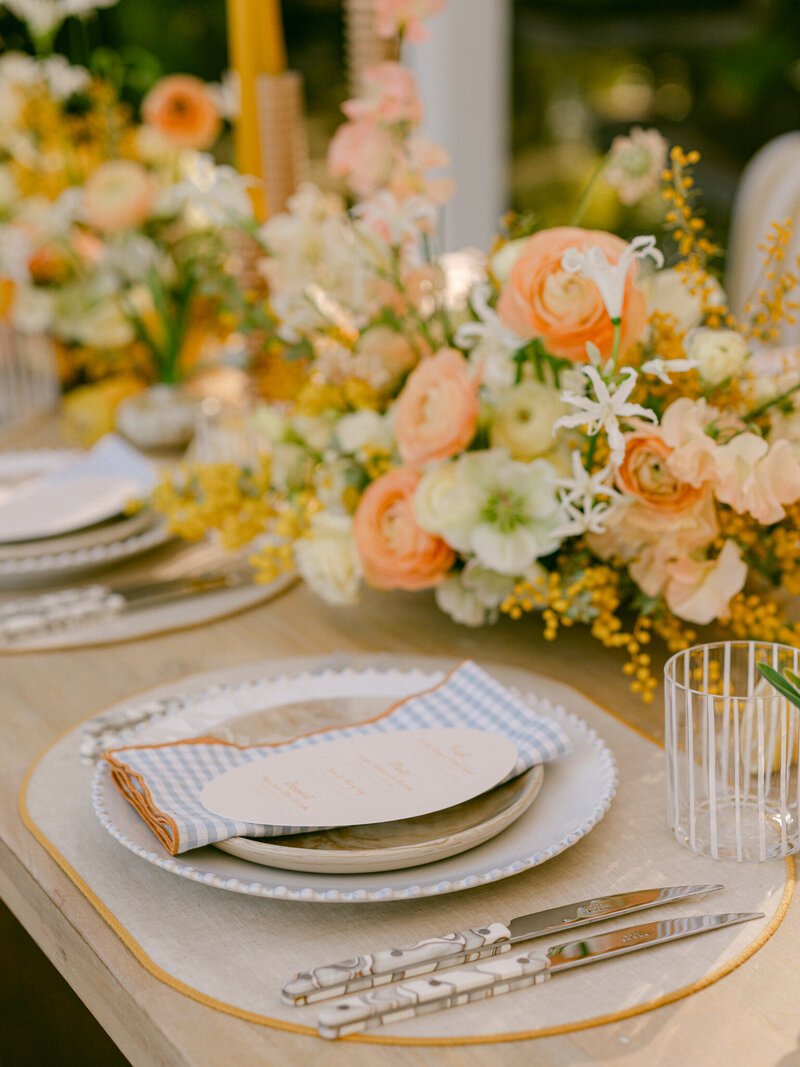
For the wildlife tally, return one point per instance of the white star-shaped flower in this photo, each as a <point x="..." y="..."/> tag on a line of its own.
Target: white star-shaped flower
<point x="605" y="412"/>
<point x="662" y="368"/>
<point x="579" y="498"/>
<point x="610" y="278"/>
<point x="489" y="327"/>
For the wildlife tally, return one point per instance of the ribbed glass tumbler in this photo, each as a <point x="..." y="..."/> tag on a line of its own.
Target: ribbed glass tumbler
<point x="732" y="751"/>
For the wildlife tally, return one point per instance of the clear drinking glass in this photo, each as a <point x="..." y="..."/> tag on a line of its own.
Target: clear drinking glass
<point x="732" y="751"/>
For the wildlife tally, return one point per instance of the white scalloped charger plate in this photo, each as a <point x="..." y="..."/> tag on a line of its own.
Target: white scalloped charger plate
<point x="578" y="792"/>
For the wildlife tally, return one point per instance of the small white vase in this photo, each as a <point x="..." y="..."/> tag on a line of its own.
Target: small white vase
<point x="162" y="416"/>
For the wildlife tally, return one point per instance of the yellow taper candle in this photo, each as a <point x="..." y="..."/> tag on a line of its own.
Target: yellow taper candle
<point x="256" y="46"/>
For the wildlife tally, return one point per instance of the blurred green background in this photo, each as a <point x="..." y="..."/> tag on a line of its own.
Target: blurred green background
<point x="722" y="76"/>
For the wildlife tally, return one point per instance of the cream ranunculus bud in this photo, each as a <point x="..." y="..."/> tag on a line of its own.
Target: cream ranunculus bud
<point x="669" y="293"/>
<point x="720" y="354"/>
<point x="524" y="420"/>
<point x="327" y="558"/>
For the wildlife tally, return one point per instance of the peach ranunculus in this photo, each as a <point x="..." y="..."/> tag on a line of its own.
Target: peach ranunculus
<point x="118" y="195"/>
<point x="565" y="309"/>
<point x="645" y="473"/>
<point x="701" y="591"/>
<point x="395" y="552"/>
<point x="437" y="411"/>
<point x="183" y="110"/>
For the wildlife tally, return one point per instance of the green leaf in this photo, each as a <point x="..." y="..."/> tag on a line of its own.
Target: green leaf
<point x="793" y="678"/>
<point x="777" y="680"/>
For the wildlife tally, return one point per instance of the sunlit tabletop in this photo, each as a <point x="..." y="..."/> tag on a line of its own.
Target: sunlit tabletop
<point x="747" y="1017"/>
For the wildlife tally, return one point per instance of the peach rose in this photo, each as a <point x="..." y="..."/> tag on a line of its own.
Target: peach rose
<point x="119" y="195"/>
<point x="395" y="552"/>
<point x="182" y="109"/>
<point x="566" y="310"/>
<point x="437" y="411"/>
<point x="644" y="473"/>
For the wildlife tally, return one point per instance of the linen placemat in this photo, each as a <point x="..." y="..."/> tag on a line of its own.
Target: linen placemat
<point x="164" y="782"/>
<point x="231" y="952"/>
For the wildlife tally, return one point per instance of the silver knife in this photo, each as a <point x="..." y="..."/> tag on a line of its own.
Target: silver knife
<point x="30" y="616"/>
<point x="423" y="995"/>
<point x="449" y="950"/>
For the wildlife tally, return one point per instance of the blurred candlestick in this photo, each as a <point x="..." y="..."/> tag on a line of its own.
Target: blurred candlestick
<point x="256" y="47"/>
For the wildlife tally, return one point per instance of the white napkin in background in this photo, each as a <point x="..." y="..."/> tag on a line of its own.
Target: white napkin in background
<point x="88" y="489"/>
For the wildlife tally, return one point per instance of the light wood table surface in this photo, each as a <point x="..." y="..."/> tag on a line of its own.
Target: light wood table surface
<point x="752" y="1016"/>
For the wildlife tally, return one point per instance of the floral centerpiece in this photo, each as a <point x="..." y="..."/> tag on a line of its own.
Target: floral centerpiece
<point x="566" y="425"/>
<point x="119" y="234"/>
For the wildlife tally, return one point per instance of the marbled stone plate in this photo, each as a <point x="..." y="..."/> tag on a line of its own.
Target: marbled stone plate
<point x="392" y="846"/>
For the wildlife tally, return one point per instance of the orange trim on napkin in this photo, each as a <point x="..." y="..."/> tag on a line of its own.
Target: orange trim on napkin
<point x="160" y="822"/>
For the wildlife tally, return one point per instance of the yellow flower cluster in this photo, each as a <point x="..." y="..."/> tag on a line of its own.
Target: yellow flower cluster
<point x="770" y="304"/>
<point x="689" y="231"/>
<point x="69" y="145"/>
<point x="756" y="617"/>
<point x="593" y="596"/>
<point x="217" y="496"/>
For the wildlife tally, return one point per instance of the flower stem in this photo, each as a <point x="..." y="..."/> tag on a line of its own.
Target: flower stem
<point x="586" y="195"/>
<point x="755" y="412"/>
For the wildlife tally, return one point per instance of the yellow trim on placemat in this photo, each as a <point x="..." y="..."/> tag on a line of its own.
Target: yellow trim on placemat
<point x="280" y="1024"/>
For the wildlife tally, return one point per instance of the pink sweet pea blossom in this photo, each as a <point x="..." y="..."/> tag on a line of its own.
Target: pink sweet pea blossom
<point x="393" y="17"/>
<point x="754" y="478"/>
<point x="700" y="592"/>
<point x="362" y="152"/>
<point x="390" y="95"/>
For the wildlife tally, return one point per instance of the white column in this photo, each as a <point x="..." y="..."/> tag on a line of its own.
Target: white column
<point x="464" y="76"/>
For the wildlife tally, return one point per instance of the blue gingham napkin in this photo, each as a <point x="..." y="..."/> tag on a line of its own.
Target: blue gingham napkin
<point x="164" y="782"/>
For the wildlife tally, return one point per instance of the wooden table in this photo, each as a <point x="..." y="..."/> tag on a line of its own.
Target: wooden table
<point x="749" y="1017"/>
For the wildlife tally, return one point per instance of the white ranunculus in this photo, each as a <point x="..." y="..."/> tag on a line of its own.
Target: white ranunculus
<point x="290" y="466"/>
<point x="668" y="293"/>
<point x="502" y="262"/>
<point x="270" y="423"/>
<point x="32" y="310"/>
<point x="720" y="354"/>
<point x="524" y="419"/>
<point x="446" y="505"/>
<point x="314" y="432"/>
<point x="364" y="432"/>
<point x="327" y="558"/>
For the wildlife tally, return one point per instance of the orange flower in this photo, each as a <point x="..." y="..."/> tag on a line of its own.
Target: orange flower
<point x="645" y="473"/>
<point x="395" y="552"/>
<point x="181" y="108"/>
<point x="437" y="411"/>
<point x="566" y="310"/>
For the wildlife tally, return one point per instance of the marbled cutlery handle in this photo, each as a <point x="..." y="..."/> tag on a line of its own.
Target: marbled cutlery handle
<point x="422" y="995"/>
<point x="391" y="964"/>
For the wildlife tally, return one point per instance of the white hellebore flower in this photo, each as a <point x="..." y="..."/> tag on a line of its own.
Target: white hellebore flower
<point x="610" y="278"/>
<point x="363" y="433"/>
<point x="327" y="558"/>
<point x="488" y="505"/>
<point x="585" y="514"/>
<point x="605" y="412"/>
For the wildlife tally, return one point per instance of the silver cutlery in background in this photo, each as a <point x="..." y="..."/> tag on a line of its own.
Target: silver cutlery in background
<point x="449" y="950"/>
<point x="422" y="995"/>
<point x="46" y="612"/>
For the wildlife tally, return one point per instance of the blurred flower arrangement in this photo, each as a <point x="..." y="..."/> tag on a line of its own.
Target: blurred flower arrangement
<point x="566" y="425"/>
<point x="118" y="234"/>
